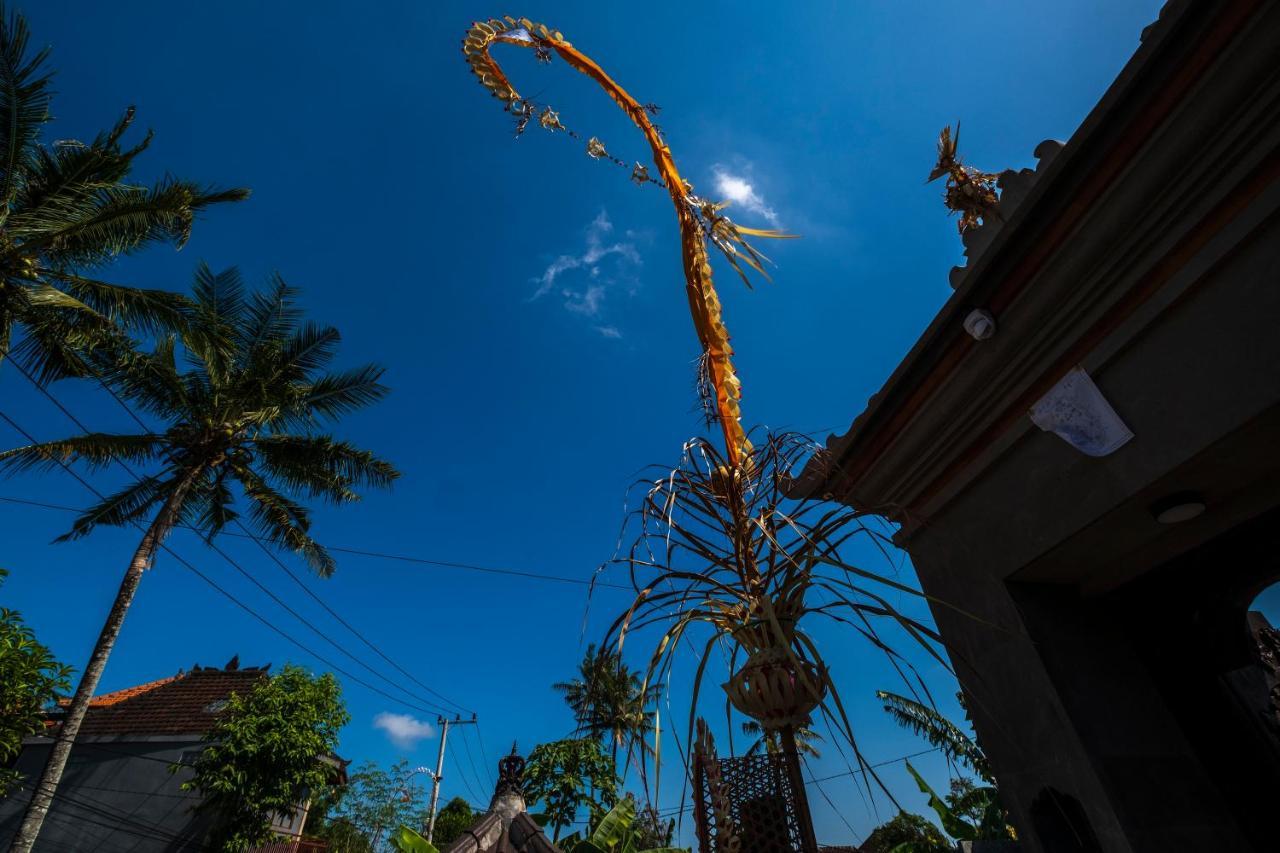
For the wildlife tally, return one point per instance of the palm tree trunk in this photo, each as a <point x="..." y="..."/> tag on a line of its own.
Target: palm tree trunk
<point x="43" y="793"/>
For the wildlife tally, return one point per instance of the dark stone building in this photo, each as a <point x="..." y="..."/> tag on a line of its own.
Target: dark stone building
<point x="1099" y="480"/>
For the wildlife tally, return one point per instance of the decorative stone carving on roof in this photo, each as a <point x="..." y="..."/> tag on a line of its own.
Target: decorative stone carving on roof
<point x="1015" y="185"/>
<point x="508" y="795"/>
<point x="507" y="828"/>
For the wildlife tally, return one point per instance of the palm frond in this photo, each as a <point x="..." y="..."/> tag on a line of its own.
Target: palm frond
<point x="338" y="394"/>
<point x="124" y="507"/>
<point x="322" y="466"/>
<point x="283" y="521"/>
<point x="94" y="449"/>
<point x="24" y="104"/>
<point x="938" y="731"/>
<point x="147" y="310"/>
<point x="120" y="219"/>
<point x="66" y="174"/>
<point x="147" y="379"/>
<point x="269" y="317"/>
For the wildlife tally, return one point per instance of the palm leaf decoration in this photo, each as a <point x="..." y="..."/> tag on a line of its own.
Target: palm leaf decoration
<point x="741" y="555"/>
<point x="926" y="722"/>
<point x="67" y="209"/>
<point x="243" y="393"/>
<point x="700" y="221"/>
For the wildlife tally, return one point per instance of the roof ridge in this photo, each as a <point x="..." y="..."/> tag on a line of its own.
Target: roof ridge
<point x="117" y="696"/>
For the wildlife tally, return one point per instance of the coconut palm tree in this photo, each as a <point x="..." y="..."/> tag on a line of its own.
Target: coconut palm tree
<point x="771" y="742"/>
<point x="248" y="412"/>
<point x="609" y="702"/>
<point x="66" y="210"/>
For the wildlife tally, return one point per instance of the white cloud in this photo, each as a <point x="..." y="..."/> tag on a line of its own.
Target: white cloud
<point x="742" y="194"/>
<point x="403" y="730"/>
<point x="584" y="281"/>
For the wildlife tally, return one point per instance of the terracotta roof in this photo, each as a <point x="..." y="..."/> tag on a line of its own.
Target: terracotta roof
<point x="186" y="703"/>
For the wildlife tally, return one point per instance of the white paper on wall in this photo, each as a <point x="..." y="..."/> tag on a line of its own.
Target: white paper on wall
<point x="1076" y="411"/>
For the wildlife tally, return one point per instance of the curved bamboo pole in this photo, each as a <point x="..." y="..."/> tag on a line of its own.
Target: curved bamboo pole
<point x="697" y="219"/>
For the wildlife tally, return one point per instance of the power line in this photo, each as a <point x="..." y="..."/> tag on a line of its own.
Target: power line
<point x="485" y="756"/>
<point x="375" y="554"/>
<point x="466" y="745"/>
<point x="863" y="770"/>
<point x="85" y="429"/>
<point x="168" y="550"/>
<point x="457" y="765"/>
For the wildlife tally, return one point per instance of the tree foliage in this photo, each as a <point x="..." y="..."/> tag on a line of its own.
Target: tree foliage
<point x="375" y="801"/>
<point x="266" y="753"/>
<point x="455" y="818"/>
<point x="30" y="680"/>
<point x="566" y="776"/>
<point x="69" y="208"/>
<point x="609" y="702"/>
<point x="907" y="831"/>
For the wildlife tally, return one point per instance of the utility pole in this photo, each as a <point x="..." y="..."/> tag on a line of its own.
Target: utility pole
<point x="443" y="723"/>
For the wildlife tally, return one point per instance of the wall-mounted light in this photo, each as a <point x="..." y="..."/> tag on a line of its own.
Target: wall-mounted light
<point x="980" y="324"/>
<point x="1178" y="508"/>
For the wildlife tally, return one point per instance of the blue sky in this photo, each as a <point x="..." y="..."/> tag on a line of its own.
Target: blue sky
<point x="528" y="301"/>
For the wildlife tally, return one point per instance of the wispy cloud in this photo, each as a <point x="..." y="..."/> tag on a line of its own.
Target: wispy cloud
<point x="584" y="281"/>
<point x="742" y="193"/>
<point x="403" y="730"/>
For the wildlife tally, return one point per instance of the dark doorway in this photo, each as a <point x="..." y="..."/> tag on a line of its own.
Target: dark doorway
<point x="1190" y="624"/>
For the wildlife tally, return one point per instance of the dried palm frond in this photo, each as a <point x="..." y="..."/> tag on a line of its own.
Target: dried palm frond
<point x="727" y="236"/>
<point x="728" y="548"/>
<point x="969" y="192"/>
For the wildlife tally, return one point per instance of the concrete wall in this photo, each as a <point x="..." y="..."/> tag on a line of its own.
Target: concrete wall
<point x="115" y="796"/>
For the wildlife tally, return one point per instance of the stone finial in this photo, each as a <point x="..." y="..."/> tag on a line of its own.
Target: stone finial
<point x="508" y="795"/>
<point x="1014" y="185"/>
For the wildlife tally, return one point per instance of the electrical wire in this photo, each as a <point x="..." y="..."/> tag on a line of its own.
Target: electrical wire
<point x="380" y="555"/>
<point x="466" y="745"/>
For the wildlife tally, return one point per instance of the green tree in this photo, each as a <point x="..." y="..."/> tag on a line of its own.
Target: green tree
<point x="377" y="800"/>
<point x="265" y="755"/>
<point x="608" y="702"/>
<point x="66" y="211"/>
<point x="247" y="412"/>
<point x="566" y="776"/>
<point x="30" y="681"/>
<point x="454" y="819"/>
<point x="907" y="831"/>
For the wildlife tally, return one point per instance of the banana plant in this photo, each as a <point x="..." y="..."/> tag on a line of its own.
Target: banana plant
<point x="407" y="840"/>
<point x="991" y="826"/>
<point x="617" y="832"/>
